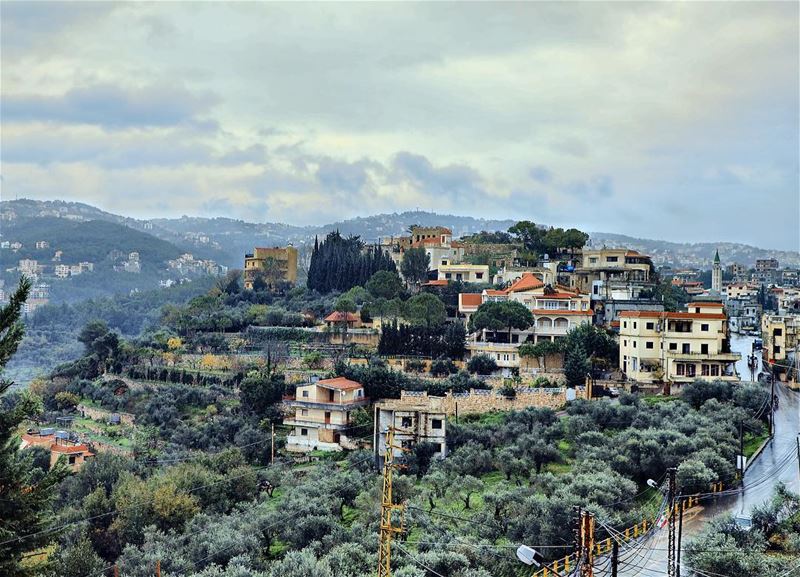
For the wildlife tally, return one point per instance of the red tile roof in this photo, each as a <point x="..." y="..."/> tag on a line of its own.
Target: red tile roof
<point x="526" y="282"/>
<point x="495" y="293"/>
<point x="707" y="304"/>
<point x="69" y="449"/>
<point x="558" y="295"/>
<point x="438" y="282"/>
<point x="340" y="383"/>
<point x="338" y="317"/>
<point x="470" y="299"/>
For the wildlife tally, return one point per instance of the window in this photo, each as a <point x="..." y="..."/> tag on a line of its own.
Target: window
<point x="777" y="332"/>
<point x="303" y="412"/>
<point x="673" y="346"/>
<point x="593" y="259"/>
<point x="304" y="432"/>
<point x="704" y="348"/>
<point x="680" y="369"/>
<point x="704" y="327"/>
<point x="360" y="393"/>
<point x="776" y="350"/>
<point x="612" y="259"/>
<point x="624" y="324"/>
<point x="407" y="444"/>
<point x="714" y="370"/>
<point x="649" y="345"/>
<point x="72" y="459"/>
<point x="478" y="275"/>
<point x="305" y="393"/>
<point x="691" y="370"/>
<point x="686" y="348"/>
<point x="447" y="275"/>
<point x="634" y="344"/>
<point x="705" y="370"/>
<point x="650" y="326"/>
<point x="406" y="421"/>
<point x="436" y="424"/>
<point x="444" y="262"/>
<point x="625" y="343"/>
<point x="697" y="309"/>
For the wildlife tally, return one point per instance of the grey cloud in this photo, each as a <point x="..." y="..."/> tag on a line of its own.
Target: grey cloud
<point x="541" y="174"/>
<point x="112" y="106"/>
<point x="340" y="176"/>
<point x="600" y="186"/>
<point x="454" y="181"/>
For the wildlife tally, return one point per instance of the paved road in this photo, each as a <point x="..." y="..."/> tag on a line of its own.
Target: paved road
<point x="761" y="477"/>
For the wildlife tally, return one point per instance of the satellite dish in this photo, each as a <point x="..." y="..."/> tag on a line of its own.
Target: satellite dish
<point x="652" y="483"/>
<point x="529" y="556"/>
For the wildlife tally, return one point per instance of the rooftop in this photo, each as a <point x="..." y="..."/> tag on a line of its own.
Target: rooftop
<point x="339" y="383"/>
<point x="338" y="317"/>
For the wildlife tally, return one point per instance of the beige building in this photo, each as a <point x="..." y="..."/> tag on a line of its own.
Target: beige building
<point x="473" y="273"/>
<point x="415" y="421"/>
<point x="321" y="415"/>
<point x="605" y="270"/>
<point x="677" y="347"/>
<point x="276" y="266"/>
<point x="780" y="335"/>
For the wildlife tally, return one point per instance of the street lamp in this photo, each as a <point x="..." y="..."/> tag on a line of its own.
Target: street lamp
<point x="529" y="556"/>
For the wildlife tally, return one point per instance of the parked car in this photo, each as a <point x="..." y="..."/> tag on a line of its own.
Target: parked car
<point x="744" y="522"/>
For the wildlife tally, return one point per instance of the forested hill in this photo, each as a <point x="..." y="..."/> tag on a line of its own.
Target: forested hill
<point x="90" y="241"/>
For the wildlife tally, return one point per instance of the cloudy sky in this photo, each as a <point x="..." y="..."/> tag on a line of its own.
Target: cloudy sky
<point x="664" y="120"/>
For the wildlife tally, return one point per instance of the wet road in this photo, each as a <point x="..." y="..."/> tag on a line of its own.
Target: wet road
<point x="778" y="462"/>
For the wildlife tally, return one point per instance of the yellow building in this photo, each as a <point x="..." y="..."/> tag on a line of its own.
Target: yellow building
<point x="780" y="335"/>
<point x="677" y="347"/>
<point x="276" y="266"/>
<point x="321" y="418"/>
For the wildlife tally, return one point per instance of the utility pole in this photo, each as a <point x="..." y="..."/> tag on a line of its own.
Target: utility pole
<point x="387" y="527"/>
<point x="772" y="410"/>
<point x="680" y="534"/>
<point x="741" y="451"/>
<point x="587" y="544"/>
<point x="614" y="558"/>
<point x="672" y="487"/>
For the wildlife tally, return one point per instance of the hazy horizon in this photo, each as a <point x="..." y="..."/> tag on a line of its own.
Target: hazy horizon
<point x="673" y="121"/>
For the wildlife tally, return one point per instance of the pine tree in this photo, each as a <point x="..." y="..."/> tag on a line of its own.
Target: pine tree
<point x="24" y="500"/>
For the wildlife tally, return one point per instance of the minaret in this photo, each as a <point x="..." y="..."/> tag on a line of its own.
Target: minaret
<point x="716" y="275"/>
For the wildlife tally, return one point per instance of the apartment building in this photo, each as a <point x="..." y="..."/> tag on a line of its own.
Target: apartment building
<point x="780" y="335"/>
<point x="766" y="264"/>
<point x="677" y="347"/>
<point x="415" y="420"/>
<point x="321" y="415"/>
<point x="604" y="270"/>
<point x="472" y="273"/>
<point x="276" y="266"/>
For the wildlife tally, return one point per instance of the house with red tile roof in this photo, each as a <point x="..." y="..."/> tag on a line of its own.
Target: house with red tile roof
<point x="321" y="415"/>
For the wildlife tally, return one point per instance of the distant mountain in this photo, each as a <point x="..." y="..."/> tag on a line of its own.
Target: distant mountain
<point x="226" y="240"/>
<point x="700" y="255"/>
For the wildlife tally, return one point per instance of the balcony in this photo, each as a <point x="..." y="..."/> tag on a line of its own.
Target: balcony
<point x="725" y="357"/>
<point x="315" y="424"/>
<point x="326" y="405"/>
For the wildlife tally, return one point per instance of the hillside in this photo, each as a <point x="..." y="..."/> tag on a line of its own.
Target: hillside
<point x="698" y="255"/>
<point x="226" y="240"/>
<point x="90" y="240"/>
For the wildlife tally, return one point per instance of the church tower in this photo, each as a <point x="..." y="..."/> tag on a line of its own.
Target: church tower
<point x="716" y="275"/>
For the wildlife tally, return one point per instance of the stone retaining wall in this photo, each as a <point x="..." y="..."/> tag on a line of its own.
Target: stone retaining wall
<point x="479" y="401"/>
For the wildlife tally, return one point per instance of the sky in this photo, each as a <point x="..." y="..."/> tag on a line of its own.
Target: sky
<point x="666" y="120"/>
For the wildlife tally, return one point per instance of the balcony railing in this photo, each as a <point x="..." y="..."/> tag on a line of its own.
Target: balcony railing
<point x="327" y="405"/>
<point x="704" y="356"/>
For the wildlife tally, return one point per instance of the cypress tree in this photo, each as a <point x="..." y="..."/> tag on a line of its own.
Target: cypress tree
<point x="25" y="492"/>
